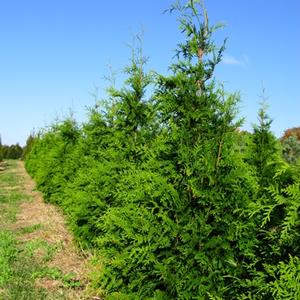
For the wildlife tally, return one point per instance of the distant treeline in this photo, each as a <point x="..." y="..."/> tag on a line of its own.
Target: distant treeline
<point x="10" y="152"/>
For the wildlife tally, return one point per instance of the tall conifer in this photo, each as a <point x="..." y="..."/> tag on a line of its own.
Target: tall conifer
<point x="191" y="194"/>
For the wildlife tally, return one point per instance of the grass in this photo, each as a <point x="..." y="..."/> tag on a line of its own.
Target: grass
<point x="24" y="263"/>
<point x="16" y="269"/>
<point x="30" y="229"/>
<point x="41" y="250"/>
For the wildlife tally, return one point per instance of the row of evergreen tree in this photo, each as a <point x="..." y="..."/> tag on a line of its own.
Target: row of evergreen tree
<point x="175" y="200"/>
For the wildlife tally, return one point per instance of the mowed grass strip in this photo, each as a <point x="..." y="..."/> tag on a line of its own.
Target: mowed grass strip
<point x="15" y="266"/>
<point x="23" y="264"/>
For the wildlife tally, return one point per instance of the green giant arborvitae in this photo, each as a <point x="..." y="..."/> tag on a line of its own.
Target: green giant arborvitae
<point x="49" y="159"/>
<point x="276" y="265"/>
<point x="112" y="143"/>
<point x="180" y="231"/>
<point x="264" y="150"/>
<point x="176" y="202"/>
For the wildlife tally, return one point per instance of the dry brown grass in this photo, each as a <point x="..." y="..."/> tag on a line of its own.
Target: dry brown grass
<point x="51" y="227"/>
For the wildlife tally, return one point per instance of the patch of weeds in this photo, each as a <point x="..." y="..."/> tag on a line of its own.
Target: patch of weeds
<point x="8" y="253"/>
<point x="4" y="197"/>
<point x="15" y="269"/>
<point x="10" y="163"/>
<point x="9" y="207"/>
<point x="25" y="292"/>
<point x="30" y="229"/>
<point x="68" y="280"/>
<point x="19" y="271"/>
<point x="10" y="195"/>
<point x="21" y="285"/>
<point x="47" y="272"/>
<point x="41" y="249"/>
<point x="13" y="197"/>
<point x="8" y="179"/>
<point x="8" y="214"/>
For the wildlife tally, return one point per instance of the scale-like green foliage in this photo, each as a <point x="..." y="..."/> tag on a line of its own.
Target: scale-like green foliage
<point x="178" y="202"/>
<point x="49" y="162"/>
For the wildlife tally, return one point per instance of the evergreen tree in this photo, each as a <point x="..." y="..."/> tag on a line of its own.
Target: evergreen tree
<point x="112" y="144"/>
<point x="291" y="149"/>
<point x="175" y="200"/>
<point x="275" y="213"/>
<point x="48" y="160"/>
<point x="264" y="151"/>
<point x="179" y="232"/>
<point x="29" y="144"/>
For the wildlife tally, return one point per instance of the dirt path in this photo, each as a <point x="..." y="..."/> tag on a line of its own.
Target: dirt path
<point x="52" y="228"/>
<point x="41" y="228"/>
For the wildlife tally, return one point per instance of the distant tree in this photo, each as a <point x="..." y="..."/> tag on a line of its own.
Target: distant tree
<point x="4" y="150"/>
<point x="29" y="143"/>
<point x="291" y="149"/>
<point x="10" y="152"/>
<point x="14" y="151"/>
<point x="264" y="151"/>
<point x="295" y="131"/>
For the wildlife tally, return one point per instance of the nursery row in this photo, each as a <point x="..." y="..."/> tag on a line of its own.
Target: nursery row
<point x="177" y="202"/>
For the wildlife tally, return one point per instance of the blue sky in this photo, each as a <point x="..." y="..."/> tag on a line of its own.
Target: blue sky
<point x="55" y="53"/>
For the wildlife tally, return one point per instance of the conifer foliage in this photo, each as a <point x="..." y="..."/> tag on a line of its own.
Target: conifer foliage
<point x="166" y="189"/>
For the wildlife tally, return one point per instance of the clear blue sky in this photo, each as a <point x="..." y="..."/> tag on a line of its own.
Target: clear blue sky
<point x="54" y="53"/>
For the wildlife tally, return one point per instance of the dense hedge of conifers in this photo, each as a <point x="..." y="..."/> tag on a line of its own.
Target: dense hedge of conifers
<point x="177" y="202"/>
